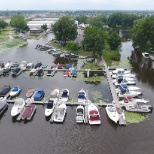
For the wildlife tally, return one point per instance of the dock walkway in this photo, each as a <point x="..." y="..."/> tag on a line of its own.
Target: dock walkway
<point x="114" y="94"/>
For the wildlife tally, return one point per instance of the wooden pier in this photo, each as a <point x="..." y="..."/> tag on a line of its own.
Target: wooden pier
<point x="114" y="95"/>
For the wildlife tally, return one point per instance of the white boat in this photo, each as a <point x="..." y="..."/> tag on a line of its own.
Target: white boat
<point x="80" y="114"/>
<point x="60" y="112"/>
<point x="145" y="55"/>
<point x="81" y="96"/>
<point x="17" y="107"/>
<point x="139" y="108"/>
<point x="64" y="95"/>
<point x="127" y="75"/>
<point x="93" y="115"/>
<point x="15" y="91"/>
<point x="112" y="112"/>
<point x="119" y="71"/>
<point x="49" y="108"/>
<point x="23" y="65"/>
<point x="128" y="93"/>
<point x="9" y="64"/>
<point x="117" y="83"/>
<point x="130" y="100"/>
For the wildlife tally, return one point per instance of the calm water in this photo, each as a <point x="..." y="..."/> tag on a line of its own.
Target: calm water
<point x="40" y="137"/>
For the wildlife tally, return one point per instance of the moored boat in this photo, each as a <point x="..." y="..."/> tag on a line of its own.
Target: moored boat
<point x="49" y="108"/>
<point x="81" y="96"/>
<point x="93" y="115"/>
<point x="30" y="92"/>
<point x="28" y="112"/>
<point x="60" y="112"/>
<point x="64" y="95"/>
<point x="15" y="91"/>
<point x="17" y="107"/>
<point x="80" y="114"/>
<point x="145" y="55"/>
<point x="3" y="105"/>
<point x="38" y="94"/>
<point x="112" y="113"/>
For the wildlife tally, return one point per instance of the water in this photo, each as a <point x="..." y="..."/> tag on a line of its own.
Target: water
<point x="39" y="136"/>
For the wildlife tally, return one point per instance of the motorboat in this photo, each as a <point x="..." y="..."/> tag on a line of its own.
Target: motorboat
<point x="28" y="111"/>
<point x="80" y="114"/>
<point x="40" y="72"/>
<point x="49" y="108"/>
<point x="60" y="112"/>
<point x="15" y="91"/>
<point x="30" y="66"/>
<point x="54" y="95"/>
<point x="9" y="64"/>
<point x="33" y="71"/>
<point x="128" y="82"/>
<point x="15" y="72"/>
<point x="112" y="112"/>
<point x="125" y="75"/>
<point x="138" y="108"/>
<point x="53" y="66"/>
<point x="82" y="96"/>
<point x="73" y="73"/>
<point x="1" y="64"/>
<point x="30" y="92"/>
<point x="60" y="66"/>
<point x="129" y="88"/>
<point x="6" y="71"/>
<point x="130" y="100"/>
<point x="23" y="65"/>
<point x="38" y="94"/>
<point x="145" y="55"/>
<point x="38" y="65"/>
<point x="93" y="115"/>
<point x="17" y="107"/>
<point x="5" y="90"/>
<point x="119" y="70"/>
<point x="125" y="92"/>
<point x="44" y="65"/>
<point x="15" y="64"/>
<point x="3" y="105"/>
<point x="64" y="95"/>
<point x="66" y="73"/>
<point x="120" y="78"/>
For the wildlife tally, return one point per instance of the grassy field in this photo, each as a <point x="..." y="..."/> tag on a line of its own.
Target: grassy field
<point x="9" y="40"/>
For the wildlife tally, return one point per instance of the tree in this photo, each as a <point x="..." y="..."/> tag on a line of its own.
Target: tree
<point x="65" y="29"/>
<point x="94" y="40"/>
<point x="18" y="22"/>
<point x="44" y="27"/>
<point x="113" y="40"/>
<point x="72" y="46"/>
<point x="3" y="24"/>
<point x="81" y="19"/>
<point x="97" y="21"/>
<point x="142" y="34"/>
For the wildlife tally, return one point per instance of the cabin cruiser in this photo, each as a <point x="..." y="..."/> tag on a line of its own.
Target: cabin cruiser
<point x="112" y="112"/>
<point x="138" y="108"/>
<point x="17" y="107"/>
<point x="93" y="115"/>
<point x="125" y="92"/>
<point x="60" y="112"/>
<point x="80" y="114"/>
<point x="130" y="100"/>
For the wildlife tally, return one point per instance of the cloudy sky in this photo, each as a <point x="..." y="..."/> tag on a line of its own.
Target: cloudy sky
<point x="77" y="4"/>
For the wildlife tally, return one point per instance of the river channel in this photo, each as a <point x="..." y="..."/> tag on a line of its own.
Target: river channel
<point x="40" y="137"/>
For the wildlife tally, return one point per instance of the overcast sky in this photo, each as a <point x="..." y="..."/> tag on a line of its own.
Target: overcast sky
<point x="77" y="4"/>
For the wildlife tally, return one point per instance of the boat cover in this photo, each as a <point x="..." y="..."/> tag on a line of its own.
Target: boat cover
<point x="68" y="66"/>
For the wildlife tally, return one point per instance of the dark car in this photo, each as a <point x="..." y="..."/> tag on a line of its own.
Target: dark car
<point x="5" y="90"/>
<point x="1" y="64"/>
<point x="16" y="72"/>
<point x="39" y="64"/>
<point x="6" y="71"/>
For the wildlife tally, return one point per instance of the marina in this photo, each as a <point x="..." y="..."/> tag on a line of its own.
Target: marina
<point x="39" y="126"/>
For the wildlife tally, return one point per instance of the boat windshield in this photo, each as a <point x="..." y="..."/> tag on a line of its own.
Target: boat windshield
<point x="81" y="96"/>
<point x="80" y="111"/>
<point x="50" y="105"/>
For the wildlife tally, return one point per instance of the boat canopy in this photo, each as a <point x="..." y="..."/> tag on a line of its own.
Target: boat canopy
<point x="54" y="94"/>
<point x="81" y="95"/>
<point x="65" y="93"/>
<point x="74" y="72"/>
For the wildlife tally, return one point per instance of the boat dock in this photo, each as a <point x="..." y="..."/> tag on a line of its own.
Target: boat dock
<point x="114" y="94"/>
